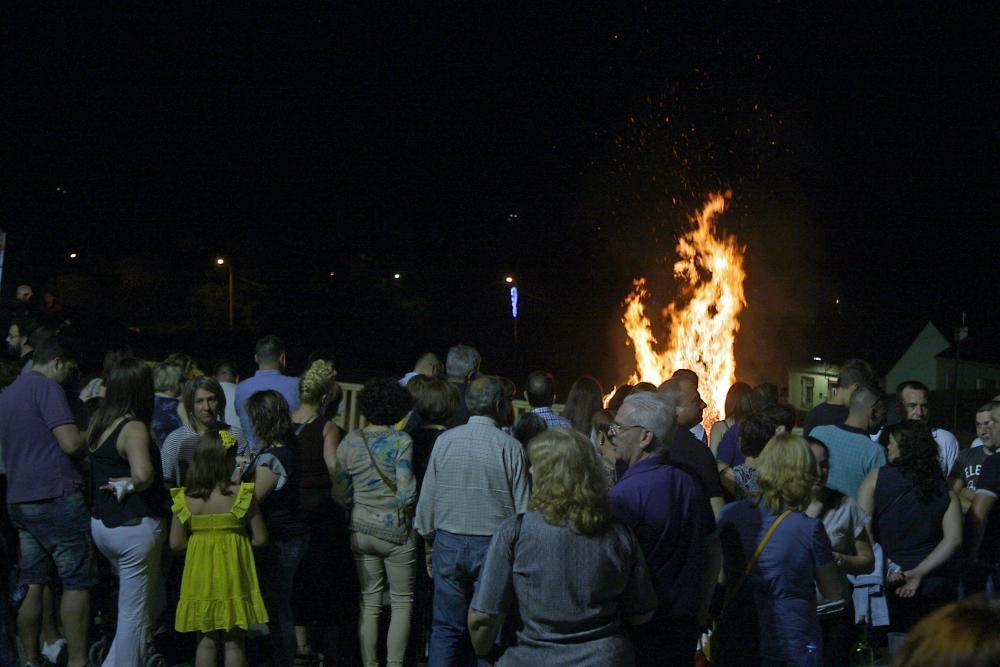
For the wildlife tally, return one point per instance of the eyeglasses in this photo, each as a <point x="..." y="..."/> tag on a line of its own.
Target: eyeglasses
<point x="615" y="429"/>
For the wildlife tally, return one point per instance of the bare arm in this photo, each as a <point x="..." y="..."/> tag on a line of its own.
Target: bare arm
<point x="964" y="493"/>
<point x="264" y="481"/>
<point x="178" y="535"/>
<point x="69" y="437"/>
<point x="951" y="526"/>
<point x="483" y="630"/>
<point x="133" y="445"/>
<point x="258" y="530"/>
<point x="829" y="582"/>
<point x="979" y="513"/>
<point x="866" y="493"/>
<point x="728" y="479"/>
<point x="331" y="440"/>
<point x="713" y="568"/>
<point x="719" y="429"/>
<point x="863" y="560"/>
<point x="717" y="503"/>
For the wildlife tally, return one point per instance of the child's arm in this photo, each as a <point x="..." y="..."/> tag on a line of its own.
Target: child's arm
<point x="258" y="530"/>
<point x="178" y="535"/>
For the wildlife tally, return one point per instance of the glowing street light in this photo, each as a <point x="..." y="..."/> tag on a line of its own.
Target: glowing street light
<point x="72" y="255"/>
<point x="396" y="276"/>
<point x="221" y="261"/>
<point x="509" y="280"/>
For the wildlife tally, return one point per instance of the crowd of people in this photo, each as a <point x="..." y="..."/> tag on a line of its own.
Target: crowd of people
<point x="617" y="532"/>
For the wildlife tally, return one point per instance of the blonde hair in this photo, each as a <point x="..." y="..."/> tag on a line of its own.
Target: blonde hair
<point x="569" y="486"/>
<point x="786" y="471"/>
<point x="318" y="381"/>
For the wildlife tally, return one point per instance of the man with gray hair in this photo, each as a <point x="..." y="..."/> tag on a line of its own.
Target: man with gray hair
<point x="476" y="477"/>
<point x="462" y="366"/>
<point x="675" y="526"/>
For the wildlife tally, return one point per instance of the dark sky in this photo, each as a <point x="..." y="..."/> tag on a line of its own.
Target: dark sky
<point x="861" y="146"/>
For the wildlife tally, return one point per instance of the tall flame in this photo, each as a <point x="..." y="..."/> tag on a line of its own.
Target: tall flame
<point x="703" y="330"/>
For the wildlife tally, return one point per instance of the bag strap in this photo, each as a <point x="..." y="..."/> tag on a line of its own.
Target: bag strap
<point x="391" y="485"/>
<point x="738" y="584"/>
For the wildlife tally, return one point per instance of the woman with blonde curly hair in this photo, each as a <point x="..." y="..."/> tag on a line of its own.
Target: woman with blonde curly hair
<point x="577" y="577"/>
<point x="318" y="439"/>
<point x="770" y="615"/>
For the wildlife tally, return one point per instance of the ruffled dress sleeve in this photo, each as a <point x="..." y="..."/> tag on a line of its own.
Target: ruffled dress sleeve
<point x="244" y="498"/>
<point x="179" y="506"/>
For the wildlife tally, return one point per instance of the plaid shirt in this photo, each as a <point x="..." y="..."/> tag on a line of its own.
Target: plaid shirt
<point x="552" y="420"/>
<point x="477" y="476"/>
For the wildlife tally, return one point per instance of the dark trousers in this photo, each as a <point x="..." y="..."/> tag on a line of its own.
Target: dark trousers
<point x="839" y="636"/>
<point x="276" y="566"/>
<point x="666" y="641"/>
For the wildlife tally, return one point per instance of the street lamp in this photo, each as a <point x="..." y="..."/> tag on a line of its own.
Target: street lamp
<point x="221" y="261"/>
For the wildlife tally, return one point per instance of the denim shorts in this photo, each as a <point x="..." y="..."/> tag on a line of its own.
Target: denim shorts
<point x="55" y="542"/>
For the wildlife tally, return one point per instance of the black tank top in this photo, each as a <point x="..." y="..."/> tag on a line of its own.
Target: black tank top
<point x="105" y="464"/>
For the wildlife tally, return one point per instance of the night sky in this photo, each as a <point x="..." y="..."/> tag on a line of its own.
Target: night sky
<point x="455" y="144"/>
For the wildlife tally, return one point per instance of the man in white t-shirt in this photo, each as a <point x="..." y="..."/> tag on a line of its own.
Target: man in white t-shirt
<point x="913" y="394"/>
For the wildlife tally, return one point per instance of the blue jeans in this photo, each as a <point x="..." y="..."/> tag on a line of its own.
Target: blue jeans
<point x="457" y="561"/>
<point x="55" y="542"/>
<point x="277" y="563"/>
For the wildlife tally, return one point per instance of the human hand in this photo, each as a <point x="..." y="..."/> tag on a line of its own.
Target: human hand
<point x="427" y="564"/>
<point x="912" y="583"/>
<point x="120" y="486"/>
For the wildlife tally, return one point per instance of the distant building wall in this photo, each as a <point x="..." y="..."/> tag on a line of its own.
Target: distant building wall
<point x="809" y="386"/>
<point x="919" y="362"/>
<point x="972" y="376"/>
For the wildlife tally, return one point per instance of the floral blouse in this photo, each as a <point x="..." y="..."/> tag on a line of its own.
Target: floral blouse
<point x="377" y="509"/>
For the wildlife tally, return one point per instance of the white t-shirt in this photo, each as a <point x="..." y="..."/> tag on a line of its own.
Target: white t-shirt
<point x="947" y="449"/>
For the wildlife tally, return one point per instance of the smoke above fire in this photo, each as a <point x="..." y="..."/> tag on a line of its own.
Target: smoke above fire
<point x="702" y="322"/>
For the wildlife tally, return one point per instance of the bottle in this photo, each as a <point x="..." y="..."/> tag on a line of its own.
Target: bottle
<point x="862" y="654"/>
<point x="812" y="655"/>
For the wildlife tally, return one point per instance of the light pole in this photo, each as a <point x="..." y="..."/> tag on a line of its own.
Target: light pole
<point x="221" y="261"/>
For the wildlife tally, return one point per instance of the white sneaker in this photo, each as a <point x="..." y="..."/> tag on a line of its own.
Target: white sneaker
<point x="55" y="652"/>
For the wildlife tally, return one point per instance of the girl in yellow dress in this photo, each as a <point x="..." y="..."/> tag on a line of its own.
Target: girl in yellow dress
<point x="217" y="521"/>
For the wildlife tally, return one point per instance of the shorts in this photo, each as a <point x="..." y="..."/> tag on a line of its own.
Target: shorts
<point x="55" y="542"/>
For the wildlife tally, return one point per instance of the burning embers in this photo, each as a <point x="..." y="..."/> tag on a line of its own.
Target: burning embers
<point x="704" y="319"/>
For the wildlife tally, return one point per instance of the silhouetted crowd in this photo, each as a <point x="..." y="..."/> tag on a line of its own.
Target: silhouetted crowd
<point x="160" y="515"/>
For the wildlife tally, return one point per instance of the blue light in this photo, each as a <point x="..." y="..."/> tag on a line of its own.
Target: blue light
<point x="513" y="302"/>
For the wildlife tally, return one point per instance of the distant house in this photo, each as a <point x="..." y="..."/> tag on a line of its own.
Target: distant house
<point x="930" y="358"/>
<point x="811" y="384"/>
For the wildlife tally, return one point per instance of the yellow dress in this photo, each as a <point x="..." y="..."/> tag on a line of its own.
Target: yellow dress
<point x="219" y="590"/>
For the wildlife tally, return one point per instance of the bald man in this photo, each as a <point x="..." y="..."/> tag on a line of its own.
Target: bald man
<point x="852" y="453"/>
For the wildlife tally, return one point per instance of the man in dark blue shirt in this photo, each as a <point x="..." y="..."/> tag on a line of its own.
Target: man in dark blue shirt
<point x="675" y="526"/>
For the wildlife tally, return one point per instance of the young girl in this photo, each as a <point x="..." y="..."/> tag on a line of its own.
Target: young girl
<point x="220" y="597"/>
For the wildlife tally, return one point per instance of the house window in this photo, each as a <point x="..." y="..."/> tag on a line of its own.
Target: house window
<point x="807" y="392"/>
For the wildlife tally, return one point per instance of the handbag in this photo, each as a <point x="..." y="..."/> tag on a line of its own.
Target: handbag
<point x="705" y="647"/>
<point x="407" y="512"/>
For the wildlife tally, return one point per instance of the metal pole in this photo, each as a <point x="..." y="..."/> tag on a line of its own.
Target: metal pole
<point x="229" y="265"/>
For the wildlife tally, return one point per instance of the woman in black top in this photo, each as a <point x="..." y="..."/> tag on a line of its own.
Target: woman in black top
<point x="129" y="501"/>
<point x="917" y="520"/>
<point x="434" y="402"/>
<point x="277" y="474"/>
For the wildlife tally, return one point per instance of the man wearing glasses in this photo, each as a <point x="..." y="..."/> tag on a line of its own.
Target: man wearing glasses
<point x="674" y="524"/>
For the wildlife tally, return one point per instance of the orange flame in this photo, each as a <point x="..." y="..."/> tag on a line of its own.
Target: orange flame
<point x="703" y="331"/>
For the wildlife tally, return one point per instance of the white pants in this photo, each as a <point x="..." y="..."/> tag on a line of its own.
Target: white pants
<point x="134" y="552"/>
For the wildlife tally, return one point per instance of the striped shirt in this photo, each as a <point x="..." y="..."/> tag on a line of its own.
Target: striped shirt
<point x="178" y="452"/>
<point x="477" y="476"/>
